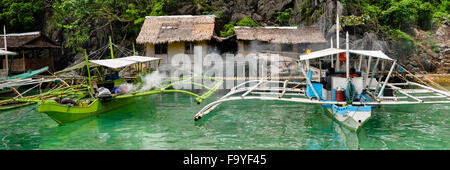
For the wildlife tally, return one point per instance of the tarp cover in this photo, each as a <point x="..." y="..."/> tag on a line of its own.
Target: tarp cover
<point x="321" y="53"/>
<point x="331" y="51"/>
<point x="140" y="59"/>
<point x="377" y="54"/>
<point x="111" y="63"/>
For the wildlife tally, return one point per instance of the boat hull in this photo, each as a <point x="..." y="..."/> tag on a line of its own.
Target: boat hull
<point x="352" y="117"/>
<point x="64" y="114"/>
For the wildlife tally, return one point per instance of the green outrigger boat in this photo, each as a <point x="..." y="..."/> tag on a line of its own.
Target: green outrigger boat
<point x="92" y="106"/>
<point x="63" y="114"/>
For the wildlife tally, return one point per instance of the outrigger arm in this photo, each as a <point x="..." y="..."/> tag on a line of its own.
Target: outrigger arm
<point x="387" y="79"/>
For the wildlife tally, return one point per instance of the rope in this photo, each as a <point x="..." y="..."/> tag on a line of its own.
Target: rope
<point x="432" y="82"/>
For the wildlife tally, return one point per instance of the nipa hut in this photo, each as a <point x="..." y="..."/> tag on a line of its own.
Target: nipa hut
<point x="167" y="36"/>
<point x="34" y="50"/>
<point x="284" y="40"/>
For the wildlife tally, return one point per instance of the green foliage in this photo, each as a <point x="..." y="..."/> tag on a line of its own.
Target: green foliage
<point x="157" y="9"/>
<point x="284" y="16"/>
<point x="403" y="43"/>
<point x="309" y="11"/>
<point x="82" y="18"/>
<point x="442" y="11"/>
<point x="73" y="16"/>
<point x="432" y="44"/>
<point x="425" y="15"/>
<point x="354" y="20"/>
<point x="205" y="7"/>
<point x="401" y="15"/>
<point x="406" y="14"/>
<point x="22" y="15"/>
<point x="229" y="29"/>
<point x="247" y="22"/>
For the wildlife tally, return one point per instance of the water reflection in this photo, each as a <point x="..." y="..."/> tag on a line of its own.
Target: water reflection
<point x="166" y="122"/>
<point x="19" y="128"/>
<point x="333" y="136"/>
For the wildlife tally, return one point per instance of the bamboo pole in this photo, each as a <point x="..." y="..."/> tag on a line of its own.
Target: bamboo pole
<point x="366" y="76"/>
<point x="374" y="70"/>
<point x="111" y="47"/>
<point x="347" y="56"/>
<point x="360" y="62"/>
<point x="284" y="89"/>
<point x="429" y="88"/>
<point x="332" y="60"/>
<point x="387" y="78"/>
<point x="134" y="51"/>
<point x="6" y="49"/>
<point x="337" y="43"/>
<point x="89" y="73"/>
<point x="251" y="89"/>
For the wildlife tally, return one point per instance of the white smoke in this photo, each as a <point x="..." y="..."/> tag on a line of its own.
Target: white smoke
<point x="149" y="82"/>
<point x="152" y="81"/>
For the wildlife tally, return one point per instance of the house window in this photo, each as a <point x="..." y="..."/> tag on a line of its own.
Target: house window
<point x="161" y="48"/>
<point x="189" y="47"/>
<point x="287" y="47"/>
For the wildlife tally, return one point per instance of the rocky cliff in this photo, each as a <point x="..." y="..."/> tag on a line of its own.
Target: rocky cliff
<point x="419" y="50"/>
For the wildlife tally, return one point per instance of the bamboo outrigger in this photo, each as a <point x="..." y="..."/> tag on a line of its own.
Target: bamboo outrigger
<point x="22" y="99"/>
<point x="362" y="92"/>
<point x="97" y="104"/>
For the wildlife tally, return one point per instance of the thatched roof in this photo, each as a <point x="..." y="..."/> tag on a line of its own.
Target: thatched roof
<point x="287" y="35"/>
<point x="27" y="40"/>
<point x="169" y="29"/>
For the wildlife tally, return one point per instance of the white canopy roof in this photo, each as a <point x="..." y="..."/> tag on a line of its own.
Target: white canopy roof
<point x="331" y="51"/>
<point x="113" y="63"/>
<point x="140" y="59"/>
<point x="377" y="54"/>
<point x="4" y="52"/>
<point x="321" y="53"/>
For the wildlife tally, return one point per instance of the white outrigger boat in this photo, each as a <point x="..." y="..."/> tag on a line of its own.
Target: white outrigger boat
<point x="353" y="97"/>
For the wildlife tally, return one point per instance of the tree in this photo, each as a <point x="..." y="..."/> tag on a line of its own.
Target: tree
<point x="247" y="22"/>
<point x="284" y="16"/>
<point x="82" y="19"/>
<point x="425" y="15"/>
<point x="22" y="15"/>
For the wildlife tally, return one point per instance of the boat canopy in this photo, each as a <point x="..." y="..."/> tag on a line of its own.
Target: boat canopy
<point x="112" y="63"/>
<point x="28" y="74"/>
<point x="140" y="59"/>
<point x="332" y="51"/>
<point x="4" y="52"/>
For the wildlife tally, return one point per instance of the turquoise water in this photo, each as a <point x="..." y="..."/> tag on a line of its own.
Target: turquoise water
<point x="166" y="122"/>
